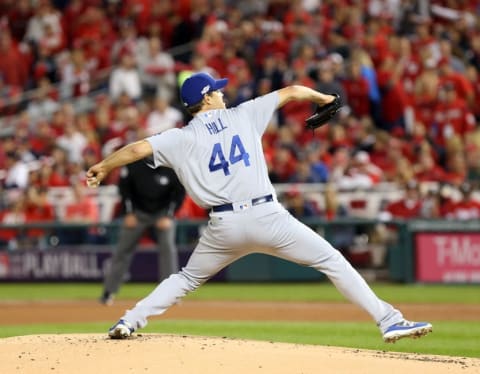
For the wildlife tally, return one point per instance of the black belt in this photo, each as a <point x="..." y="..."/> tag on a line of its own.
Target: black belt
<point x="229" y="207"/>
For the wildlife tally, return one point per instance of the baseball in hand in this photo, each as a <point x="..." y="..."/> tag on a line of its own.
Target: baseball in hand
<point x="92" y="182"/>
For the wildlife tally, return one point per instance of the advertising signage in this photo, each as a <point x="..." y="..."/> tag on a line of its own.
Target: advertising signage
<point x="447" y="257"/>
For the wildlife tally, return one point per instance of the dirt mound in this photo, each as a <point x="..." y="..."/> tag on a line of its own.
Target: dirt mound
<point x="154" y="353"/>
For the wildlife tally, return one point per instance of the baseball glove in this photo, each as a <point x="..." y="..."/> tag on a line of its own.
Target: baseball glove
<point x="323" y="113"/>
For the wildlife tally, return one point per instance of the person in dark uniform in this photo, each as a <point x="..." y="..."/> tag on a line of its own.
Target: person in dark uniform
<point x="150" y="198"/>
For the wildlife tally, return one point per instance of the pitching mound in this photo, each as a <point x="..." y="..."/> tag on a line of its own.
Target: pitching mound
<point x="153" y="353"/>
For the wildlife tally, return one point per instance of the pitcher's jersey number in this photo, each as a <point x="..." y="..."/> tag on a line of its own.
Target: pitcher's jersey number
<point x="237" y="153"/>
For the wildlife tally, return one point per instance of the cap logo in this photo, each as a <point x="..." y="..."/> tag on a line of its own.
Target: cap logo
<point x="205" y="89"/>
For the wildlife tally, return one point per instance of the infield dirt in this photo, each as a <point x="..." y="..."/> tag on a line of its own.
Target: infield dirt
<point x="161" y="353"/>
<point x="151" y="353"/>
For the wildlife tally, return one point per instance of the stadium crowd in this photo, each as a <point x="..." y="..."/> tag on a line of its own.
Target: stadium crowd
<point x="79" y="78"/>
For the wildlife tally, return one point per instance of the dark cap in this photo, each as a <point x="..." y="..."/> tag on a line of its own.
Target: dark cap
<point x="198" y="85"/>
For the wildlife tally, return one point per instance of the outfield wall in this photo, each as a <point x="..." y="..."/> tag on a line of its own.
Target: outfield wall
<point x="420" y="251"/>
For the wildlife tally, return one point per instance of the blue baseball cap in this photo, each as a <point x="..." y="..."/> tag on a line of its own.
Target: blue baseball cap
<point x="198" y="85"/>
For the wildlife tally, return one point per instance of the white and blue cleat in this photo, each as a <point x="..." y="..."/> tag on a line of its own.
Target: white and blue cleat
<point x="121" y="330"/>
<point x="406" y="329"/>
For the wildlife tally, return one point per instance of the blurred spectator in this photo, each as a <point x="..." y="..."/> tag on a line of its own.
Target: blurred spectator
<point x="362" y="132"/>
<point x="271" y="71"/>
<point x="357" y="90"/>
<point x="157" y="70"/>
<point x="98" y="62"/>
<point x="43" y="103"/>
<point x="243" y="86"/>
<point x="339" y="137"/>
<point x="360" y="173"/>
<point x="318" y="167"/>
<point x="340" y="161"/>
<point x="394" y="101"/>
<point x="73" y="18"/>
<point x="199" y="63"/>
<point x="473" y="77"/>
<point x="16" y="171"/>
<point x="52" y="40"/>
<point x="375" y="40"/>
<point x="10" y="97"/>
<point x="39" y="209"/>
<point x="368" y="71"/>
<point x="452" y="118"/>
<point x="14" y="62"/>
<point x="228" y="62"/>
<point x="55" y="169"/>
<point x="472" y="159"/>
<point x="303" y="172"/>
<point x="73" y="142"/>
<point x="44" y="14"/>
<point x="83" y="209"/>
<point x="301" y="37"/>
<point x="159" y="22"/>
<point x="13" y="214"/>
<point x="427" y="170"/>
<point x="389" y="154"/>
<point x="297" y="205"/>
<point x="409" y="206"/>
<point x="455" y="163"/>
<point x="451" y="79"/>
<point x="126" y="41"/>
<point x="163" y="116"/>
<point x="19" y="17"/>
<point x="273" y="42"/>
<point x="75" y="76"/>
<point x="133" y="125"/>
<point x="473" y="54"/>
<point x="284" y="164"/>
<point x="411" y="62"/>
<point x="327" y="82"/>
<point x="295" y="111"/>
<point x="431" y="203"/>
<point x="24" y="152"/>
<point x="333" y="208"/>
<point x="125" y="79"/>
<point x="6" y="145"/>
<point x="101" y="118"/>
<point x="45" y="65"/>
<point x="446" y="51"/>
<point x="445" y="200"/>
<point x="211" y="42"/>
<point x="92" y="150"/>
<point x="467" y="208"/>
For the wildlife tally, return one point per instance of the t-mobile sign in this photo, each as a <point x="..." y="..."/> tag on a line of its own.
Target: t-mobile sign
<point x="448" y="257"/>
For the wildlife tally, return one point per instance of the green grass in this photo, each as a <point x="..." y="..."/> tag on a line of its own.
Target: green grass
<point x="448" y="338"/>
<point x="324" y="291"/>
<point x="454" y="338"/>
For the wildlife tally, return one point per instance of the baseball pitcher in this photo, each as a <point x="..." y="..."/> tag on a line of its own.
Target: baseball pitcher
<point x="218" y="157"/>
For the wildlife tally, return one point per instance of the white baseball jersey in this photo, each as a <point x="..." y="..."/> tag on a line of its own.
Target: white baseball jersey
<point x="219" y="159"/>
<point x="218" y="151"/>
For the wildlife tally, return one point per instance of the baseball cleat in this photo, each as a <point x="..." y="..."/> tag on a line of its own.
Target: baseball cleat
<point x="406" y="329"/>
<point x="121" y="330"/>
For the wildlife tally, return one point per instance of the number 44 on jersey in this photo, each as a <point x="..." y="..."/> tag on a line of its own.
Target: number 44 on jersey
<point x="237" y="153"/>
